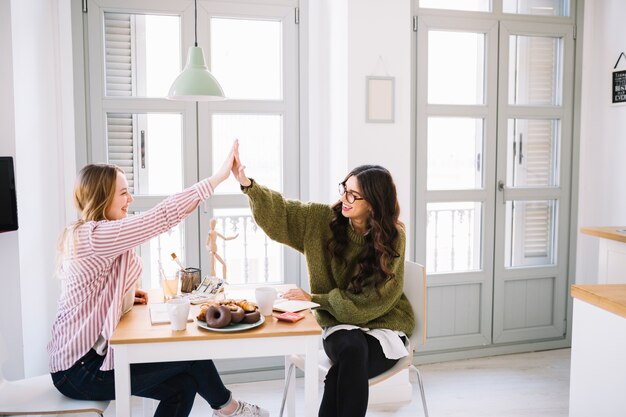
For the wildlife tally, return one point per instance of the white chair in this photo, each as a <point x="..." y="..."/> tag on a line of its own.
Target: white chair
<point x="398" y="387"/>
<point x="38" y="395"/>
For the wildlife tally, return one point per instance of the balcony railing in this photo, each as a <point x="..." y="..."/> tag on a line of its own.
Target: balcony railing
<point x="252" y="257"/>
<point x="453" y="240"/>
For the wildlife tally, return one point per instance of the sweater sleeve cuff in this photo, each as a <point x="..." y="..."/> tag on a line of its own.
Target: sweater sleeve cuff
<point x="321" y="299"/>
<point x="245" y="189"/>
<point x="204" y="189"/>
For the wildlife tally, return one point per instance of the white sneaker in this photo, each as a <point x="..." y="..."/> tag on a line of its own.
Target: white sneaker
<point x="244" y="410"/>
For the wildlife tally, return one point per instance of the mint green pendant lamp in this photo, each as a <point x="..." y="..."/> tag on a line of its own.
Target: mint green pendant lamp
<point x="196" y="83"/>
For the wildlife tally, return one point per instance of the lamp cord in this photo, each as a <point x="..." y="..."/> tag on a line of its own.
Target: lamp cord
<point x="195" y="19"/>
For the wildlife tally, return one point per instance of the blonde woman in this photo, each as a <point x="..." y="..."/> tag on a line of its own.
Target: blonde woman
<point x="99" y="270"/>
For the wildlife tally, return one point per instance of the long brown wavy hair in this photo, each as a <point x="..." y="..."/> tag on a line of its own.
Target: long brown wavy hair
<point x="93" y="192"/>
<point x="379" y="190"/>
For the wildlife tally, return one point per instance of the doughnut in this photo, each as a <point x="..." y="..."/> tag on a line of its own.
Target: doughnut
<point x="237" y="315"/>
<point x="203" y="308"/>
<point x="217" y="316"/>
<point x="252" y="317"/>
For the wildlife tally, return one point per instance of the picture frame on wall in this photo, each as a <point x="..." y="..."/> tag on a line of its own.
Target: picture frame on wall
<point x="380" y="96"/>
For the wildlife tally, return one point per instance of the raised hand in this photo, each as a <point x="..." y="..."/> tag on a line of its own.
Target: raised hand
<point x="238" y="168"/>
<point x="224" y="171"/>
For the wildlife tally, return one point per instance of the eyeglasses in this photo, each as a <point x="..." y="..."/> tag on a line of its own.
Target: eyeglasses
<point x="350" y="196"/>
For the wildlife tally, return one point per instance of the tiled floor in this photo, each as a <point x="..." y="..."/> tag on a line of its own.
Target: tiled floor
<point x="521" y="385"/>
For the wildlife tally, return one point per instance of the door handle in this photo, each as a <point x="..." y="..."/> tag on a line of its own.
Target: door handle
<point x="502" y="188"/>
<point x="142" y="149"/>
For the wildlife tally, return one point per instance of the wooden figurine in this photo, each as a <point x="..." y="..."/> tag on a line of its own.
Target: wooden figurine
<point x="211" y="246"/>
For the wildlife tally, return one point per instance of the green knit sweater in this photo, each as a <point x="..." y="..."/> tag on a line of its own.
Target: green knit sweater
<point x="305" y="227"/>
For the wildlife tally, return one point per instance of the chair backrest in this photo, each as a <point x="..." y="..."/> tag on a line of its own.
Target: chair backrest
<point x="415" y="290"/>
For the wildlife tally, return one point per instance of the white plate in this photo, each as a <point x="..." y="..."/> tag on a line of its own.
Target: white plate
<point x="236" y="327"/>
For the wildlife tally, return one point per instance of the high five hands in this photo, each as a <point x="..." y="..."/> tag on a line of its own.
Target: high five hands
<point x="238" y="168"/>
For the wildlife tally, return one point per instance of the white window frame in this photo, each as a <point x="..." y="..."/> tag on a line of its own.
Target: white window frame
<point x="196" y="117"/>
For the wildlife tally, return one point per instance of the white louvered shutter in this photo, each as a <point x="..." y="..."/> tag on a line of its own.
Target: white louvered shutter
<point x="537" y="164"/>
<point x="120" y="82"/>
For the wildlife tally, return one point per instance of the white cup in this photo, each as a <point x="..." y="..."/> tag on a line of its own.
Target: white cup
<point x="265" y="297"/>
<point x="178" y="312"/>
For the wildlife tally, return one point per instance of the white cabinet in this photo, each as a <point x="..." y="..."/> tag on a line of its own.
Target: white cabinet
<point x="611" y="253"/>
<point x="598" y="362"/>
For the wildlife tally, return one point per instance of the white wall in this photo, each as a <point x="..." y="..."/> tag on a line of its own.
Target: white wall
<point x="325" y="97"/>
<point x="602" y="196"/>
<point x="346" y="39"/>
<point x="381" y="30"/>
<point x="11" y="344"/>
<point x="44" y="161"/>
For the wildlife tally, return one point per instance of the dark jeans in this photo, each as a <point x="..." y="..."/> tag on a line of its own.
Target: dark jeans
<point x="356" y="357"/>
<point x="175" y="384"/>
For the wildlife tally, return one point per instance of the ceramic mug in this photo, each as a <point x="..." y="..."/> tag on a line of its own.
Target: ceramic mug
<point x="178" y="312"/>
<point x="265" y="297"/>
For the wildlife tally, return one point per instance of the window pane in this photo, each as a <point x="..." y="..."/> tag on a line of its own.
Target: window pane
<point x="532" y="150"/>
<point x="537" y="7"/>
<point x="455" y="149"/>
<point x="453" y="241"/>
<point x="456" y="67"/>
<point x="142" y="54"/>
<point x="251" y="257"/>
<point x="246" y="57"/>
<point x="159" y="250"/>
<point x="148" y="147"/>
<point x="470" y="5"/>
<point x="530" y="233"/>
<point x="260" y="147"/>
<point x="535" y="70"/>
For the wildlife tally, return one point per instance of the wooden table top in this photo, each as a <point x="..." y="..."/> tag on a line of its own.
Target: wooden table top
<point x="609" y="297"/>
<point x="135" y="327"/>
<point x="617" y="233"/>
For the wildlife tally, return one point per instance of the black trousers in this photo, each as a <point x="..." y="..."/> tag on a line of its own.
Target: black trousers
<point x="356" y="357"/>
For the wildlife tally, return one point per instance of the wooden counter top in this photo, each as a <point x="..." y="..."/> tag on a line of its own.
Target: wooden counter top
<point x="609" y="297"/>
<point x="617" y="233"/>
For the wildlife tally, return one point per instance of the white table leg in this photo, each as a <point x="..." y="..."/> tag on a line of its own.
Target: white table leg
<point x="311" y="380"/>
<point x="122" y="382"/>
<point x="290" y="386"/>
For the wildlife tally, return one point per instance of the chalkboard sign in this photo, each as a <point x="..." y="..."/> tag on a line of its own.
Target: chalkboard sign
<point x="618" y="84"/>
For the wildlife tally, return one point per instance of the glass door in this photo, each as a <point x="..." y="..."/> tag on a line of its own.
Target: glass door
<point x="532" y="210"/>
<point x="494" y="116"/>
<point x="456" y="151"/>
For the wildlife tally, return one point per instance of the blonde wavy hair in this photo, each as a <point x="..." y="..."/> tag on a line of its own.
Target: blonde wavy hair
<point x="94" y="191"/>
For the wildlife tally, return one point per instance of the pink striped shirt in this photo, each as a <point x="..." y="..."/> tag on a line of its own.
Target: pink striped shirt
<point x="99" y="266"/>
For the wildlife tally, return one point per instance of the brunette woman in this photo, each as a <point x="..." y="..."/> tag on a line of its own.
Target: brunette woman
<point x="354" y="252"/>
